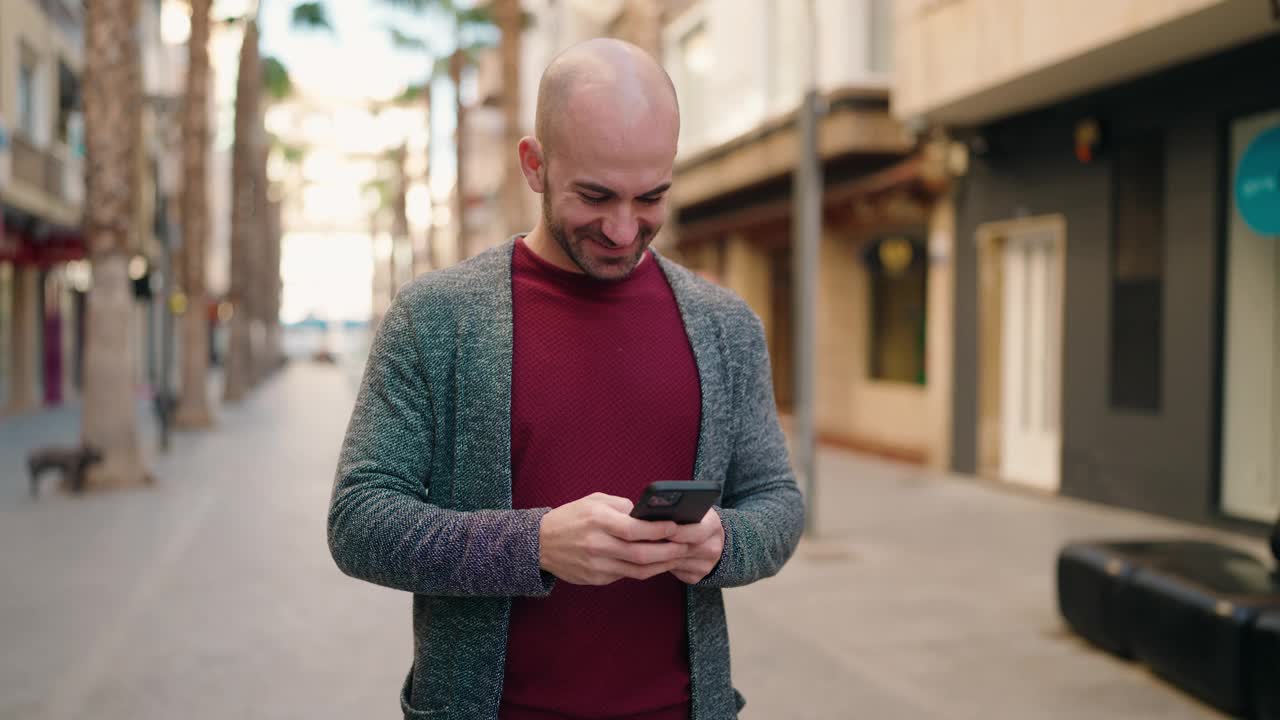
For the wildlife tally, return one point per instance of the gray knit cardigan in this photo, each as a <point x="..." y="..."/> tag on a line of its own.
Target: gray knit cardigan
<point x="422" y="497"/>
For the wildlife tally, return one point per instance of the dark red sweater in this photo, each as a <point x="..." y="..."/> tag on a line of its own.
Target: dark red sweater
<point x="604" y="398"/>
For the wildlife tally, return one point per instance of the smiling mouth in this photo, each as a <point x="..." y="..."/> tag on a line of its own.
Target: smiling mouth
<point x="608" y="246"/>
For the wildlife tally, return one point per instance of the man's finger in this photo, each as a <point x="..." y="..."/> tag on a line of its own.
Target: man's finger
<point x="693" y="534"/>
<point x="625" y="527"/>
<point x="648" y="553"/>
<point x="644" y="572"/>
<point x="620" y="504"/>
<point x="622" y="568"/>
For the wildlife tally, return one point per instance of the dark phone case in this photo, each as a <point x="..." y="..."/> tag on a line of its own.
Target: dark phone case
<point x="696" y="499"/>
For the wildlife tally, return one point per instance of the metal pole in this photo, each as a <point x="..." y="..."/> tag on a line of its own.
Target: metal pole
<point x="166" y="396"/>
<point x="806" y="231"/>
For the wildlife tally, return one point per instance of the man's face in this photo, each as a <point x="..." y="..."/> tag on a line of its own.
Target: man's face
<point x="605" y="196"/>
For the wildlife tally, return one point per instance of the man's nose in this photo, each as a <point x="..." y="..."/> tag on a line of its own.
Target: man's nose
<point x="622" y="227"/>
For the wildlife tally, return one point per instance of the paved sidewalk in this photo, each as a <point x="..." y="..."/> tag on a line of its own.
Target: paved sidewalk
<point x="213" y="594"/>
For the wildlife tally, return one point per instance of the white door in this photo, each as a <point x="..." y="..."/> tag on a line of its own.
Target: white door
<point x="1031" y="345"/>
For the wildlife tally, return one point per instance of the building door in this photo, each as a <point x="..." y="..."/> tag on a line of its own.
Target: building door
<point x="53" y="337"/>
<point x="1251" y="345"/>
<point x="6" y="333"/>
<point x="1031" y="348"/>
<point x="781" y="336"/>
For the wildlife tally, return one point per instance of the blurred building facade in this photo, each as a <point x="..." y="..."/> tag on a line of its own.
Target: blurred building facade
<point x="44" y="274"/>
<point x="1117" y="265"/>
<point x="883" y="326"/>
<point x="42" y="191"/>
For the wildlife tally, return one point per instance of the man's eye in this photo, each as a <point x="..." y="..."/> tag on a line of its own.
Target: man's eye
<point x="651" y="200"/>
<point x="594" y="199"/>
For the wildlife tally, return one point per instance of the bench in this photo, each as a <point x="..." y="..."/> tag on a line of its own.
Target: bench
<point x="1203" y="616"/>
<point x="72" y="462"/>
<point x="1194" y="621"/>
<point x="1264" y="667"/>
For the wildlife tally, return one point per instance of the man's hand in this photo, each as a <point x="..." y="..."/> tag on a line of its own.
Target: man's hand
<point x="705" y="541"/>
<point x="594" y="541"/>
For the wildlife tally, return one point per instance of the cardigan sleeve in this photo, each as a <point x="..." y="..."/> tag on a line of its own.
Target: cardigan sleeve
<point x="761" y="508"/>
<point x="382" y="527"/>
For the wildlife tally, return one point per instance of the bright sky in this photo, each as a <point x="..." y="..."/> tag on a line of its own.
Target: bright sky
<point x="319" y="275"/>
<point x="359" y="61"/>
<point x="331" y="275"/>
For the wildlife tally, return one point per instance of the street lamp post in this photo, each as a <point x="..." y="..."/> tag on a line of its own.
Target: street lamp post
<point x="165" y="399"/>
<point x="806" y="230"/>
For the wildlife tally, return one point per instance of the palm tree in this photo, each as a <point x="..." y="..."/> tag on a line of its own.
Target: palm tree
<point x="278" y="87"/>
<point x="112" y="95"/>
<point x="411" y="94"/>
<point x="245" y="230"/>
<point x="472" y="27"/>
<point x="193" y="403"/>
<point x="511" y="22"/>
<point x="250" y="228"/>
<point x="397" y="157"/>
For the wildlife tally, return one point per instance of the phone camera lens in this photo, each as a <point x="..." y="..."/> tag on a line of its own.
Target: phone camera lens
<point x="665" y="499"/>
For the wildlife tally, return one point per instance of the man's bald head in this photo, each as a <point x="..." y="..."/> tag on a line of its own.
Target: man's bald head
<point x="602" y="81"/>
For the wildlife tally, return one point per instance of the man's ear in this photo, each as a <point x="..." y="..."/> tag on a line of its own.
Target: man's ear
<point x="533" y="163"/>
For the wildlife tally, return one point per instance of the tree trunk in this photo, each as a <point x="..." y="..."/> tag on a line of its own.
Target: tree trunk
<point x="457" y="64"/>
<point x="243" y="224"/>
<point x="193" y="404"/>
<point x="113" y="89"/>
<point x="274" y="352"/>
<point x="262" y="273"/>
<point x="510" y="20"/>
<point x="432" y="259"/>
<point x="400" y="216"/>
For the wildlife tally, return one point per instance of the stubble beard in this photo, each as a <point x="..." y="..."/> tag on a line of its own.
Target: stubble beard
<point x="606" y="269"/>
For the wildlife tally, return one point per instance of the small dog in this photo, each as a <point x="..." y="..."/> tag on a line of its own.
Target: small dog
<point x="71" y="461"/>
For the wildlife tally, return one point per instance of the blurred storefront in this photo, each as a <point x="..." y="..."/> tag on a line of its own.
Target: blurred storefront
<point x="1117" y="312"/>
<point x="44" y="273"/>
<point x="41" y="195"/>
<point x="883" y="327"/>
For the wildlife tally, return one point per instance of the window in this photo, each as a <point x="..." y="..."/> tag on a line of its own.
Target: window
<point x="785" y="56"/>
<point x="1137" y="274"/>
<point x="68" y="100"/>
<point x="695" y="65"/>
<point x="27" y="99"/>
<point x="880" y="45"/>
<point x="899" y="278"/>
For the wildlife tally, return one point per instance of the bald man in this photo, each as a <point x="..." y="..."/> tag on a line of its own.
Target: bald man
<point x="516" y="405"/>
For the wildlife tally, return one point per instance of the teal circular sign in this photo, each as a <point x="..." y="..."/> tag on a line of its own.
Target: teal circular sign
<point x="1257" y="186"/>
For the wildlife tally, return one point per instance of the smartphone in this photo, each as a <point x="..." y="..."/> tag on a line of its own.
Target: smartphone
<point x="684" y="501"/>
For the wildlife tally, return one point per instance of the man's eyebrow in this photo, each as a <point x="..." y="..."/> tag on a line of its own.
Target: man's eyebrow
<point x="602" y="190"/>
<point x="658" y="190"/>
<point x="592" y="187"/>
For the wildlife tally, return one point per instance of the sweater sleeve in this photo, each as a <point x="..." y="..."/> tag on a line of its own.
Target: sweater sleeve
<point x="761" y="509"/>
<point x="382" y="526"/>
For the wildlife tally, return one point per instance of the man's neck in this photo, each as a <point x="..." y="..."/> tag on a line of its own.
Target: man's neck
<point x="539" y="241"/>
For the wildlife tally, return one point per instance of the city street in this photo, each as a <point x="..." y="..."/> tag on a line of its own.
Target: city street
<point x="212" y="594"/>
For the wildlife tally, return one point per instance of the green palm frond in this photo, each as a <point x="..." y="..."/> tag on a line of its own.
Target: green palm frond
<point x="293" y="154"/>
<point x="404" y="41"/>
<point x="419" y="6"/>
<point x="275" y="79"/>
<point x="472" y="16"/>
<point x="412" y="93"/>
<point x="311" y="16"/>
